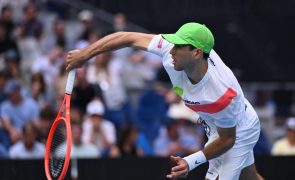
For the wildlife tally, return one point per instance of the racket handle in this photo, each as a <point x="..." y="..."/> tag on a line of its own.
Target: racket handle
<point x="70" y="81"/>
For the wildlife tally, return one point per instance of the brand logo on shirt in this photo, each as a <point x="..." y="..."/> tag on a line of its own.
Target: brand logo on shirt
<point x="190" y="102"/>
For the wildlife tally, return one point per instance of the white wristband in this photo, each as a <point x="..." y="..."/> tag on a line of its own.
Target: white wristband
<point x="195" y="159"/>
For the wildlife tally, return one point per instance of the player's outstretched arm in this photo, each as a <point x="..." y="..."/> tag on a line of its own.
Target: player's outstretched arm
<point x="77" y="58"/>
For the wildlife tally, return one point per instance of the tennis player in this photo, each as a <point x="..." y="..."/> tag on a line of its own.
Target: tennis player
<point x="208" y="87"/>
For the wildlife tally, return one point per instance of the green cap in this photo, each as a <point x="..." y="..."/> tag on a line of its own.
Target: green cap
<point x="195" y="34"/>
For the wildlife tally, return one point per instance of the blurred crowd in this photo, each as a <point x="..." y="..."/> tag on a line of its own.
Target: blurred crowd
<point x="122" y="103"/>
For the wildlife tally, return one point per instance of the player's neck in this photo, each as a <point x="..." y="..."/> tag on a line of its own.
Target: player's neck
<point x="197" y="73"/>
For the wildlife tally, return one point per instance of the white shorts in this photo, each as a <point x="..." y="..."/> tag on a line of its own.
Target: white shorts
<point x="229" y="165"/>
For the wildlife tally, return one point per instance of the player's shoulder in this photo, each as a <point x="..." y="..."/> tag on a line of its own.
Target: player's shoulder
<point x="158" y="43"/>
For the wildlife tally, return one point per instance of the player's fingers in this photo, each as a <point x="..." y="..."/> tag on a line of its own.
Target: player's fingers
<point x="182" y="173"/>
<point x="175" y="158"/>
<point x="171" y="175"/>
<point x="178" y="168"/>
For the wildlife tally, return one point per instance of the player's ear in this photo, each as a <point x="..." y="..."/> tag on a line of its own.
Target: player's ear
<point x="197" y="53"/>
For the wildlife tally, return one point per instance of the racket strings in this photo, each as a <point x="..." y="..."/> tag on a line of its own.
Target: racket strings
<point x="58" y="150"/>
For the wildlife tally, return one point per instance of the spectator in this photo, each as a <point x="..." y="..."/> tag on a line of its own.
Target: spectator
<point x="98" y="130"/>
<point x="286" y="145"/>
<point x="190" y="130"/>
<point x="6" y="42"/>
<point x="39" y="91"/>
<point x="7" y="19"/>
<point x="56" y="37"/>
<point x="107" y="73"/>
<point x="175" y="142"/>
<point x="136" y="74"/>
<point x="12" y="64"/>
<point x="28" y="147"/>
<point x="47" y="116"/>
<point x="120" y="23"/>
<point x="30" y="25"/>
<point x="16" y="111"/>
<point x="81" y="149"/>
<point x="126" y="145"/>
<point x="86" y="19"/>
<point x="84" y="91"/>
<point x="49" y="65"/>
<point x="152" y="107"/>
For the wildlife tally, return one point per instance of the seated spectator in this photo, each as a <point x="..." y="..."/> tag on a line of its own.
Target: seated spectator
<point x="55" y="37"/>
<point x="175" y="142"/>
<point x="6" y="18"/>
<point x="136" y="74"/>
<point x="126" y="145"/>
<point x="97" y="130"/>
<point x="286" y="145"/>
<point x="11" y="64"/>
<point x="120" y="23"/>
<point x="28" y="147"/>
<point x="80" y="149"/>
<point x="17" y="110"/>
<point x="38" y="91"/>
<point x="83" y="91"/>
<point x="152" y="106"/>
<point x="47" y="116"/>
<point x="106" y="71"/>
<point x="30" y="26"/>
<point x="6" y="42"/>
<point x="49" y="65"/>
<point x="86" y="20"/>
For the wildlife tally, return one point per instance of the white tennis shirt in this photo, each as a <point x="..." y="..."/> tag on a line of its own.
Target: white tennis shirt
<point x="218" y="98"/>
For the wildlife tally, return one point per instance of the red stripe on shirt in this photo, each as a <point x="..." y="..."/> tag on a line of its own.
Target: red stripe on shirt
<point x="216" y="106"/>
<point x="160" y="43"/>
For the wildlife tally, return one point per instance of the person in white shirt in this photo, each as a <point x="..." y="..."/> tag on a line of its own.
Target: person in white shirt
<point x="286" y="145"/>
<point x="28" y="147"/>
<point x="80" y="149"/>
<point x="96" y="129"/>
<point x="208" y="87"/>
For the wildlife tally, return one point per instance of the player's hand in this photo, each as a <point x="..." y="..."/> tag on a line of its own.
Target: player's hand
<point x="74" y="59"/>
<point x="180" y="169"/>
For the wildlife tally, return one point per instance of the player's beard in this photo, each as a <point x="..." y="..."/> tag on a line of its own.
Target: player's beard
<point x="177" y="66"/>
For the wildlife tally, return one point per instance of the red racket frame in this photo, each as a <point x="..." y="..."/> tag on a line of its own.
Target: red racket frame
<point x="66" y="102"/>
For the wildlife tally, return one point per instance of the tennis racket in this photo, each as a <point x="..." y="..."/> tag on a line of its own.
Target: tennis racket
<point x="59" y="141"/>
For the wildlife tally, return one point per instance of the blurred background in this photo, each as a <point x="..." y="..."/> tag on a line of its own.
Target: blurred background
<point x="126" y="121"/>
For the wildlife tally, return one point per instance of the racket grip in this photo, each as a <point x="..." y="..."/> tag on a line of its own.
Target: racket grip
<point x="70" y="81"/>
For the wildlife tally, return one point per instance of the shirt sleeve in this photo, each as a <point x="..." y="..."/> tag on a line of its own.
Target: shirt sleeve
<point x="159" y="46"/>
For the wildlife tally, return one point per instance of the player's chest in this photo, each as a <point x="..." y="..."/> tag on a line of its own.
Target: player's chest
<point x="206" y="100"/>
